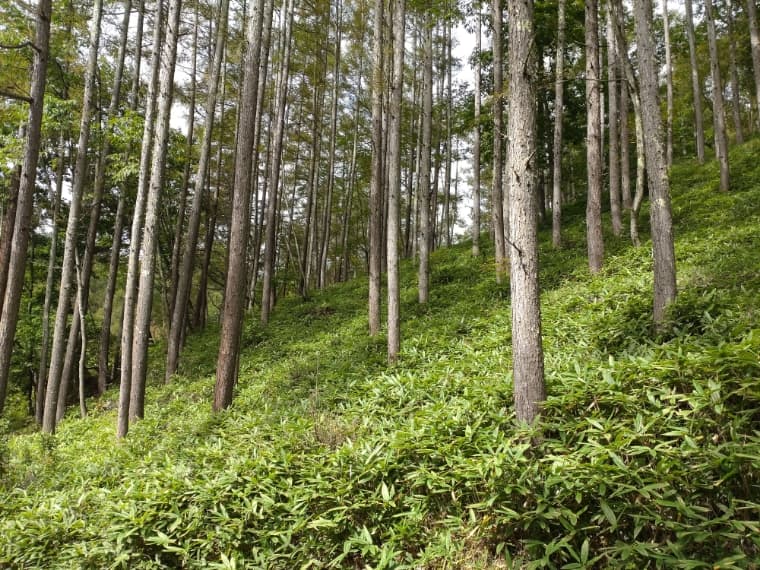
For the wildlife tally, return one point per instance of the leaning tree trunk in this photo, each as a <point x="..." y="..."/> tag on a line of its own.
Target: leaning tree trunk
<point x="16" y="267"/>
<point x="699" y="130"/>
<point x="659" y="186"/>
<point x="719" y="116"/>
<point x="58" y="346"/>
<point x="595" y="241"/>
<point x="234" y="294"/>
<point x="179" y="309"/>
<point x="138" y="216"/>
<point x="423" y="190"/>
<point x="527" y="353"/>
<point x="95" y="208"/>
<point x="497" y="198"/>
<point x="149" y="243"/>
<point x="559" y="110"/>
<point x="394" y="182"/>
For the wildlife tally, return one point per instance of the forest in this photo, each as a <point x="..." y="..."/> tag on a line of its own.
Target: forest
<point x="379" y="284"/>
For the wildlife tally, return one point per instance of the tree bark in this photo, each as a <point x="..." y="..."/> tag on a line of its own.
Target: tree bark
<point x="559" y="109"/>
<point x="595" y="241"/>
<point x="423" y="274"/>
<point x="376" y="182"/>
<point x="234" y="294"/>
<point x="281" y="98"/>
<point x="394" y="182"/>
<point x="696" y="89"/>
<point x="668" y="86"/>
<point x="625" y="161"/>
<point x="58" y="346"/>
<point x="735" y="99"/>
<point x="179" y="310"/>
<point x="659" y="186"/>
<point x="476" y="142"/>
<point x="754" y="38"/>
<point x="719" y="116"/>
<point x="614" y="138"/>
<point x="9" y="219"/>
<point x="497" y="198"/>
<point x="527" y="352"/>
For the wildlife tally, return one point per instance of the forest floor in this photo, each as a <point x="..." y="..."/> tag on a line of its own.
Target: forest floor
<point x="649" y="448"/>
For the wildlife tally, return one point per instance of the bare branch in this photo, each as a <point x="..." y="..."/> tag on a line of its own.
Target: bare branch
<point x="15" y="96"/>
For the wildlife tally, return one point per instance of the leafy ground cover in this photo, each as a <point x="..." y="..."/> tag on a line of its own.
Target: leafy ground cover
<point x="648" y="453"/>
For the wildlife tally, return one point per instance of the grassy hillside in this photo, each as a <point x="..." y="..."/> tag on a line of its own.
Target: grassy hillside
<point x="650" y="450"/>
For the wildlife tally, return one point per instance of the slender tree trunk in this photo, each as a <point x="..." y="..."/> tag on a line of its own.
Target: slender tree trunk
<point x="113" y="272"/>
<point x="754" y="38"/>
<point x="559" y="110"/>
<point x="394" y="182"/>
<point x="497" y="205"/>
<point x="351" y="181"/>
<point x="594" y="238"/>
<point x="735" y="99"/>
<point x="311" y="190"/>
<point x="640" y="179"/>
<point x="327" y="216"/>
<point x="695" y="83"/>
<point x="659" y="186"/>
<point x="49" y="282"/>
<point x="281" y="97"/>
<point x="179" y="310"/>
<point x="83" y="340"/>
<point x="719" y="116"/>
<point x="527" y="353"/>
<point x="423" y="275"/>
<point x="95" y="210"/>
<point x="234" y="294"/>
<point x="138" y="216"/>
<point x="476" y="142"/>
<point x="58" y="346"/>
<point x="179" y="223"/>
<point x="625" y="161"/>
<point x="668" y="86"/>
<point x="446" y="226"/>
<point x="150" y="229"/>
<point x="614" y="138"/>
<point x="376" y="183"/>
<point x="9" y="219"/>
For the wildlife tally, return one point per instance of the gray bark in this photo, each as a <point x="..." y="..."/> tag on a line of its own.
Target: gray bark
<point x="699" y="130"/>
<point x="719" y="115"/>
<point x="476" y="143"/>
<point x="234" y="294"/>
<point x="497" y="198"/>
<point x="735" y="99"/>
<point x="559" y="110"/>
<point x="423" y="190"/>
<point x="754" y="39"/>
<point x="614" y="138"/>
<point x="595" y="241"/>
<point x="58" y="345"/>
<point x="668" y="86"/>
<point x="527" y="352"/>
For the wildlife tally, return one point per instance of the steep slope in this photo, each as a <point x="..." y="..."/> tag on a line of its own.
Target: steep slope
<point x="649" y="451"/>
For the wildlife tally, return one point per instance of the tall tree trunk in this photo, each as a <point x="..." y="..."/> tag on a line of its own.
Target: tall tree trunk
<point x="179" y="224"/>
<point x="497" y="206"/>
<point x="281" y="98"/>
<point x="625" y="161"/>
<point x="559" y="110"/>
<point x="476" y="142"/>
<point x="394" y="182"/>
<point x="149" y="237"/>
<point x="423" y="274"/>
<point x="179" y="311"/>
<point x="351" y="180"/>
<point x="614" y="144"/>
<point x="113" y="271"/>
<point x="311" y="190"/>
<point x="446" y="226"/>
<point x="595" y="241"/>
<point x="719" y="116"/>
<point x="696" y="89"/>
<point x="58" y="345"/>
<point x="527" y="353"/>
<point x="39" y="409"/>
<point x="659" y="186"/>
<point x="138" y="217"/>
<point x="95" y="209"/>
<point x="754" y="38"/>
<point x="79" y="315"/>
<point x="9" y="219"/>
<point x="327" y="215"/>
<point x="668" y="86"/>
<point x="735" y="99"/>
<point x="376" y="182"/>
<point x="20" y="239"/>
<point x="234" y="294"/>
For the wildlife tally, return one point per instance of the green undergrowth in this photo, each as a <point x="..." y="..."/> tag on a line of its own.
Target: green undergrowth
<point x="647" y="455"/>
